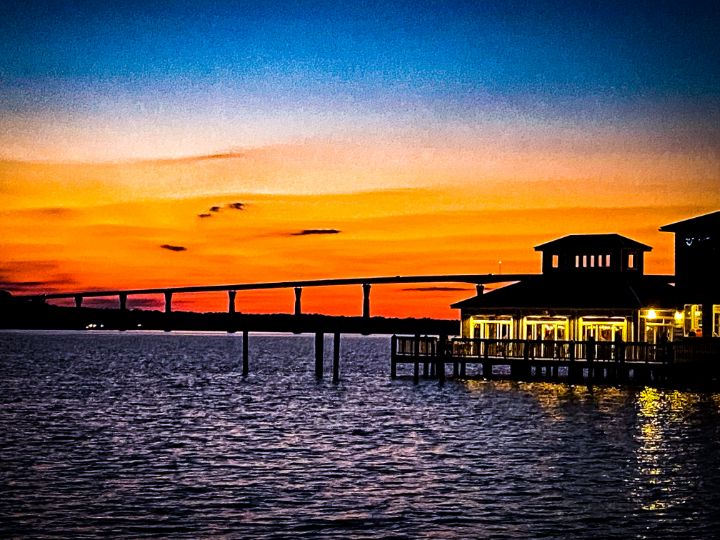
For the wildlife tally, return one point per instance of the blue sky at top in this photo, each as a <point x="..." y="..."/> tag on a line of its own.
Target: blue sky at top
<point x="601" y="60"/>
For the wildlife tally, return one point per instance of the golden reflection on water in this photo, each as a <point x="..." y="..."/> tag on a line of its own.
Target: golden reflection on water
<point x="662" y="418"/>
<point x="554" y="398"/>
<point x="660" y="478"/>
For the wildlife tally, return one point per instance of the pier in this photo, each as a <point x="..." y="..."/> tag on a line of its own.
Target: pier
<point x="692" y="362"/>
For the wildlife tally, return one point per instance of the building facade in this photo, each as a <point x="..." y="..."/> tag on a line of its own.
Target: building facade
<point x="697" y="272"/>
<point x="590" y="286"/>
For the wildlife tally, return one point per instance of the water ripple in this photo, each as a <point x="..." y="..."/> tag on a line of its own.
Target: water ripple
<point x="154" y="435"/>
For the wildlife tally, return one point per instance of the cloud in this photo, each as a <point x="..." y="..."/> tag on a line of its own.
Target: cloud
<point x="204" y="215"/>
<point x="436" y="289"/>
<point x="309" y="232"/>
<point x="36" y="286"/>
<point x="170" y="247"/>
<point x="214" y="208"/>
<point x="236" y="206"/>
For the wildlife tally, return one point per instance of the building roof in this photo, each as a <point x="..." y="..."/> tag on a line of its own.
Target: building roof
<point x="595" y="293"/>
<point x="706" y="222"/>
<point x="575" y="242"/>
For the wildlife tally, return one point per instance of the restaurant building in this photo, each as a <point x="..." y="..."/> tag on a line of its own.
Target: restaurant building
<point x="594" y="285"/>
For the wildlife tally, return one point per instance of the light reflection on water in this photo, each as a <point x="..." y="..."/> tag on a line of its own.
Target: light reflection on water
<point x="160" y="435"/>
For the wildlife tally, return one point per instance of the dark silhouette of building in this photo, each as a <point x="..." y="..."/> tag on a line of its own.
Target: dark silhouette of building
<point x="597" y="253"/>
<point x="697" y="271"/>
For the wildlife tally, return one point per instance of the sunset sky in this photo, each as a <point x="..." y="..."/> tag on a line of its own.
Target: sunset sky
<point x="419" y="137"/>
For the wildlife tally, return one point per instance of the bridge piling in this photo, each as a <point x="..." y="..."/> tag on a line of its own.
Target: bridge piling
<point x="123" y="312"/>
<point x="168" y="310"/>
<point x="366" y="300"/>
<point x="231" y="311"/>
<point x="298" y="301"/>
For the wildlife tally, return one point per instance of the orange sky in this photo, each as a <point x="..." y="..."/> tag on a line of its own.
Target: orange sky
<point x="399" y="208"/>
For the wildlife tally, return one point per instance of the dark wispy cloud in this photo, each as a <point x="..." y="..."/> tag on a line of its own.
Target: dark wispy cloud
<point x="217" y="208"/>
<point x="22" y="286"/>
<point x="170" y="247"/>
<point x="436" y="289"/>
<point x="309" y="232"/>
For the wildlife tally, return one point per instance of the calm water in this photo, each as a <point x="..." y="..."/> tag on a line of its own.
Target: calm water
<point x="159" y="435"/>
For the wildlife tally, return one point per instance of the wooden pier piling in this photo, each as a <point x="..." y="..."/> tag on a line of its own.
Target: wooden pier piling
<point x="319" y="350"/>
<point x="245" y="359"/>
<point x="336" y="357"/>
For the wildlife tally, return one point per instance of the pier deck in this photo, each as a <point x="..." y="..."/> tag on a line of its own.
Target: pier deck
<point x="561" y="361"/>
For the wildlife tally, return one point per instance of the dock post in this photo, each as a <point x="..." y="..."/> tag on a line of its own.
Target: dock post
<point x="319" y="346"/>
<point x="168" y="310"/>
<point x="393" y="356"/>
<point x="441" y="356"/>
<point x="336" y="357"/>
<point x="590" y="355"/>
<point x="574" y="373"/>
<point x="298" y="301"/>
<point x="416" y="354"/>
<point x="245" y="362"/>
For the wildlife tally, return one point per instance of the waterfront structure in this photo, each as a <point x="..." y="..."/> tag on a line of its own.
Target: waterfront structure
<point x="594" y="286"/>
<point x="697" y="271"/>
<point x="591" y="286"/>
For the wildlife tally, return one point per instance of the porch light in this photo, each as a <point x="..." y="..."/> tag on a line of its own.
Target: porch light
<point x="678" y="316"/>
<point x="651" y="314"/>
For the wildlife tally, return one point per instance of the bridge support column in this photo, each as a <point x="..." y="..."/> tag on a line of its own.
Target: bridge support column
<point x="298" y="301"/>
<point x="245" y="359"/>
<point x="366" y="300"/>
<point x="319" y="346"/>
<point x="123" y="323"/>
<point x="336" y="357"/>
<point x="168" y="310"/>
<point x="78" y="301"/>
<point x="231" y="311"/>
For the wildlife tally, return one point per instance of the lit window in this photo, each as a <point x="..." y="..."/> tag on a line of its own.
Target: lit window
<point x="577" y="261"/>
<point x="607" y="261"/>
<point x="584" y="261"/>
<point x="631" y="260"/>
<point x="592" y="261"/>
<point x="555" y="261"/>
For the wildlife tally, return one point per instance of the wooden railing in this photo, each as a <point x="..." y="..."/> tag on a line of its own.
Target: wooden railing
<point x="515" y="349"/>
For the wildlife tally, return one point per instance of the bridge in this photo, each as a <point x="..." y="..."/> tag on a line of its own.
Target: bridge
<point x="366" y="282"/>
